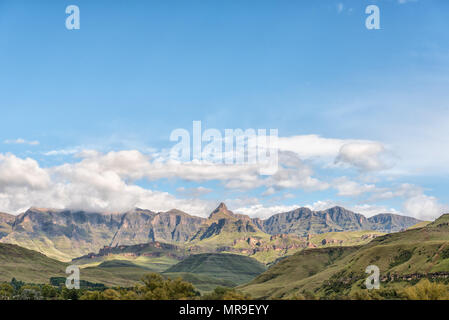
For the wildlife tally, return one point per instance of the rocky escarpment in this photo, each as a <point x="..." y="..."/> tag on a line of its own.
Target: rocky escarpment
<point x="152" y="249"/>
<point x="303" y="221"/>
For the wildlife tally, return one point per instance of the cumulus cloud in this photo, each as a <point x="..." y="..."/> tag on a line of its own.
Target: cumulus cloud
<point x="21" y="173"/>
<point x="346" y="187"/>
<point x="193" y="192"/>
<point x="292" y="173"/>
<point x="365" y="156"/>
<point x="424" y="207"/>
<point x="106" y="182"/>
<point x="102" y="185"/>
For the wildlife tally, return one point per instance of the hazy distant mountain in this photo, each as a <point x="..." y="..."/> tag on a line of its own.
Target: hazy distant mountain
<point x="387" y="222"/>
<point x="303" y="221"/>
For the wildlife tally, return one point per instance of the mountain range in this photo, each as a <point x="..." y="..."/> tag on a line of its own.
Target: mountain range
<point x="69" y="234"/>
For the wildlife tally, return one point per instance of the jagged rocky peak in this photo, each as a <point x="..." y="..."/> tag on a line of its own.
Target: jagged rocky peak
<point x="221" y="212"/>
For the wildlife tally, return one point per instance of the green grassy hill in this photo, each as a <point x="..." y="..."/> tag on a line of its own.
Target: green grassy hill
<point x="154" y="256"/>
<point x="201" y="282"/>
<point x="231" y="268"/>
<point x="402" y="258"/>
<point x="33" y="267"/>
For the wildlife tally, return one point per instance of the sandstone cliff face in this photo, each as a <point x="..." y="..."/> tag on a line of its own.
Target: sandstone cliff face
<point x="65" y="234"/>
<point x="175" y="226"/>
<point x="303" y="221"/>
<point x="135" y="227"/>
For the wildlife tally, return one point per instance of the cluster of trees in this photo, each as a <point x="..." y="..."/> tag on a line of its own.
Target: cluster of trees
<point x="153" y="287"/>
<point x="156" y="287"/>
<point x="423" y="290"/>
<point x="19" y="290"/>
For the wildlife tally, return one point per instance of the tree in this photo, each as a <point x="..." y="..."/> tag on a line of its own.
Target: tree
<point x="6" y="291"/>
<point x="49" y="292"/>
<point x="426" y="290"/>
<point x="221" y="293"/>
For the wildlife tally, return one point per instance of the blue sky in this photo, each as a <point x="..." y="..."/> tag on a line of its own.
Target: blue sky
<point x="115" y="89"/>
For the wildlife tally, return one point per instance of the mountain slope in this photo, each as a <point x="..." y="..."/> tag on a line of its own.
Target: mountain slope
<point x="388" y="222"/>
<point x="66" y="234"/>
<point x="233" y="268"/>
<point x="33" y="267"/>
<point x="155" y="256"/>
<point x="303" y="221"/>
<point x="401" y="257"/>
<point x="6" y="221"/>
<point x="63" y="234"/>
<point x="221" y="220"/>
<point x="141" y="226"/>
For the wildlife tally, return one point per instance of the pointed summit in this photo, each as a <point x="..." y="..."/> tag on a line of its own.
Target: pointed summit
<point x="222" y="206"/>
<point x="221" y="212"/>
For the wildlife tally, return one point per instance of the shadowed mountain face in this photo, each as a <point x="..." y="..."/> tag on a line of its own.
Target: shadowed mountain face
<point x="6" y="221"/>
<point x="65" y="234"/>
<point x="387" y="222"/>
<point x="141" y="226"/>
<point x="304" y="221"/>
<point x="231" y="267"/>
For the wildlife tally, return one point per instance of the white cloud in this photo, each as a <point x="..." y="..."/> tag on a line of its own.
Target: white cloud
<point x="424" y="207"/>
<point x="262" y="212"/>
<point x="292" y="174"/>
<point x="88" y="185"/>
<point x="21" y="141"/>
<point x="365" y="156"/>
<point x="193" y="192"/>
<point x="26" y="173"/>
<point x="346" y="187"/>
<point x="62" y="152"/>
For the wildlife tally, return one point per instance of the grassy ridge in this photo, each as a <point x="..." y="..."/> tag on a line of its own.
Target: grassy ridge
<point x="235" y="269"/>
<point x="341" y="270"/>
<point x="33" y="267"/>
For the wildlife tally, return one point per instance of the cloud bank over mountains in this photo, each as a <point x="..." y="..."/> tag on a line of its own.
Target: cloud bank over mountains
<point x="117" y="181"/>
